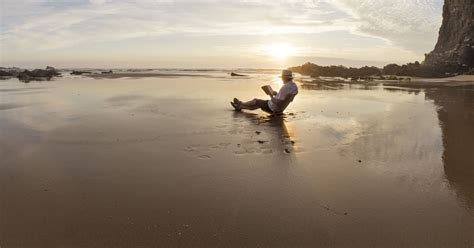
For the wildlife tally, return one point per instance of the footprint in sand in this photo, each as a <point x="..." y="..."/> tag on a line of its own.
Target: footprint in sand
<point x="198" y="150"/>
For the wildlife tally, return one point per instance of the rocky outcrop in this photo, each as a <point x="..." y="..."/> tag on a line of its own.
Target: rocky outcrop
<point x="38" y="74"/>
<point x="9" y="72"/>
<point x="314" y="70"/>
<point x="6" y="73"/>
<point x="413" y="69"/>
<point x="454" y="51"/>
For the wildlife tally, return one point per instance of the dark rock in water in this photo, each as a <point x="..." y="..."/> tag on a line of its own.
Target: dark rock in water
<point x="45" y="73"/>
<point x="50" y="68"/>
<point x="37" y="75"/>
<point x="287" y="150"/>
<point x="454" y="51"/>
<point x="80" y="72"/>
<point x="6" y="73"/>
<point x="25" y="76"/>
<point x="107" y="72"/>
<point x="9" y="72"/>
<point x="233" y="74"/>
<point x="258" y="132"/>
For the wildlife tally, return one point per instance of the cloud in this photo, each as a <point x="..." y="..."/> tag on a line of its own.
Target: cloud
<point x="411" y="24"/>
<point x="98" y="2"/>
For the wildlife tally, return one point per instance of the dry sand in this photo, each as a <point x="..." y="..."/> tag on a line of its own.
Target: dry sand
<point x="165" y="162"/>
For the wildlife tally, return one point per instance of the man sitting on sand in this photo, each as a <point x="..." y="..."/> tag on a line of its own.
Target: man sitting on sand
<point x="278" y="100"/>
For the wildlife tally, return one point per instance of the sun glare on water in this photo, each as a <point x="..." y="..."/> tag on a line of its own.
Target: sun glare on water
<point x="280" y="50"/>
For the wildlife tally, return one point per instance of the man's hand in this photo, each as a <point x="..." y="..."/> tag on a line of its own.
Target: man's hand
<point x="275" y="93"/>
<point x="280" y="102"/>
<point x="275" y="100"/>
<point x="272" y="98"/>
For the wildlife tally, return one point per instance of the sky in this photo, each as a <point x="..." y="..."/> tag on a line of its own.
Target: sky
<point x="215" y="34"/>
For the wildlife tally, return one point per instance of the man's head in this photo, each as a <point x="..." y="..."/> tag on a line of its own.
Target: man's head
<point x="286" y="76"/>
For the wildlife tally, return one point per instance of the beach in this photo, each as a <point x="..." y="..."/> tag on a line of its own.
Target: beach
<point x="162" y="160"/>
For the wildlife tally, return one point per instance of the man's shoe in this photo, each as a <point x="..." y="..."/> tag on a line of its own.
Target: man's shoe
<point x="237" y="101"/>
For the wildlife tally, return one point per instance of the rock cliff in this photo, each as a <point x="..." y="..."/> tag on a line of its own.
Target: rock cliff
<point x="454" y="51"/>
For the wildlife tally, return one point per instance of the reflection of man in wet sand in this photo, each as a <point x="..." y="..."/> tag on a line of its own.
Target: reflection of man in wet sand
<point x="277" y="134"/>
<point x="278" y="100"/>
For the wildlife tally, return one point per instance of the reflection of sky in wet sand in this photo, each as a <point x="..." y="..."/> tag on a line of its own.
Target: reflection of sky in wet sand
<point x="356" y="159"/>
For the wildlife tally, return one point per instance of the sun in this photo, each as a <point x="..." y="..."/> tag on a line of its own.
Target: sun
<point x="280" y="50"/>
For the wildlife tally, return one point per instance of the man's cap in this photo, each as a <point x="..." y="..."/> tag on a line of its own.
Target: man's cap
<point x="287" y="74"/>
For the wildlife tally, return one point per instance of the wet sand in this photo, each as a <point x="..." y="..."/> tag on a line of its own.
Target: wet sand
<point x="165" y="162"/>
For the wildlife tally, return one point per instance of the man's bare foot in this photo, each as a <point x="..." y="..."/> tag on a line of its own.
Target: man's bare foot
<point x="236" y="106"/>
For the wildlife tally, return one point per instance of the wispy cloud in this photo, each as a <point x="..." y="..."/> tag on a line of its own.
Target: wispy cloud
<point x="411" y="24"/>
<point x="106" y="20"/>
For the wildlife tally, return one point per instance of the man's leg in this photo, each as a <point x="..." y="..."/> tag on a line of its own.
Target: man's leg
<point x="251" y="105"/>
